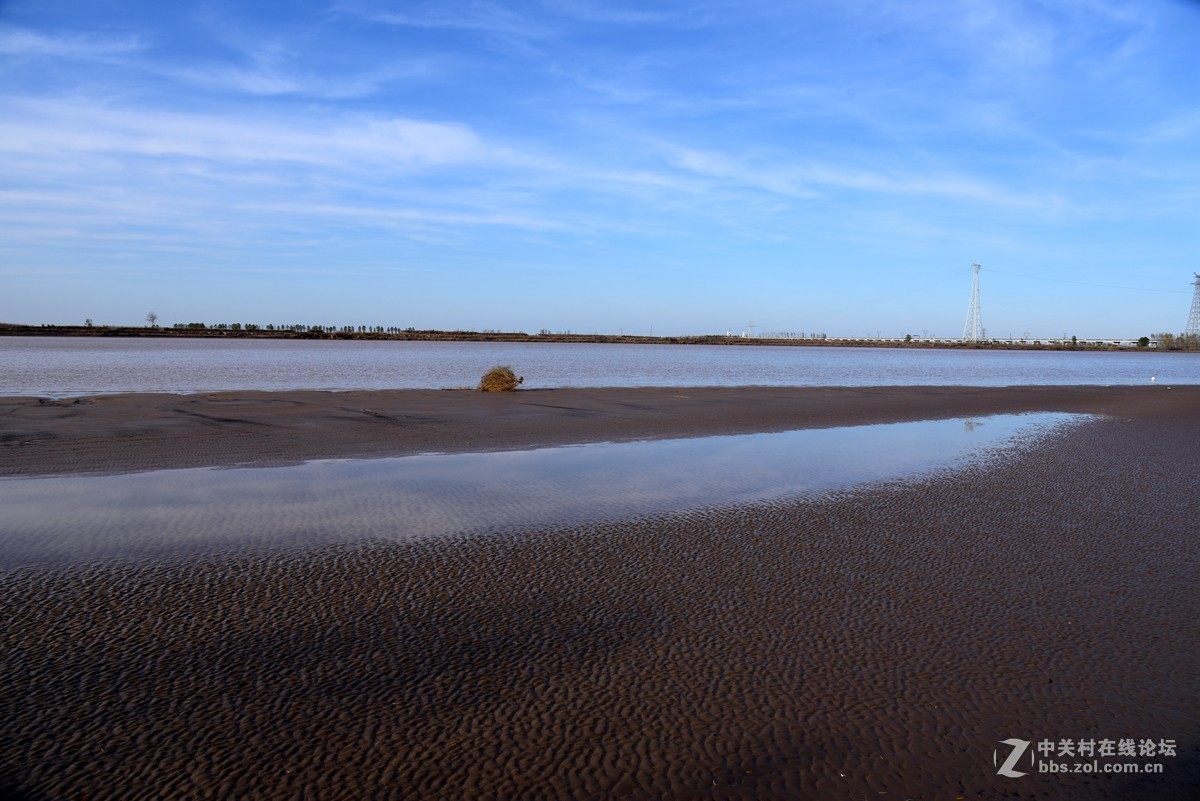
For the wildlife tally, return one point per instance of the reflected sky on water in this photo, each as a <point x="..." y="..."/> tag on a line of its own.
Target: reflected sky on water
<point x="174" y="512"/>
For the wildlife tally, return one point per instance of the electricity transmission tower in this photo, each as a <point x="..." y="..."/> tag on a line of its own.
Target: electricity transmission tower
<point x="973" y="330"/>
<point x="1193" y="325"/>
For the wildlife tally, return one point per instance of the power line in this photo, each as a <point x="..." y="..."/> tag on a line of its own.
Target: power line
<point x="1087" y="283"/>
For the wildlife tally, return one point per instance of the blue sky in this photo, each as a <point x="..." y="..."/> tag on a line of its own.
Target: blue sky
<point x="603" y="166"/>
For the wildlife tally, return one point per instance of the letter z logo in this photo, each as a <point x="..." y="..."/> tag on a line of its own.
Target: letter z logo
<point x="1018" y="748"/>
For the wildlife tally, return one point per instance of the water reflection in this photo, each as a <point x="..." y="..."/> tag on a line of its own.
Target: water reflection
<point x="191" y="511"/>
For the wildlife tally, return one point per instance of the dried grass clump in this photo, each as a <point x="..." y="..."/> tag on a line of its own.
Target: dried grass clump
<point x="500" y="379"/>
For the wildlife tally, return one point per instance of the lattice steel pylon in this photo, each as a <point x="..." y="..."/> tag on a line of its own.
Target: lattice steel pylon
<point x="973" y="330"/>
<point x="1193" y="326"/>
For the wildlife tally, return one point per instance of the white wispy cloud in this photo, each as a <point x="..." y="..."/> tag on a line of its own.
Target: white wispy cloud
<point x="487" y="17"/>
<point x="810" y="180"/>
<point x="270" y="80"/>
<point x="47" y="127"/>
<point x="731" y="171"/>
<point x="404" y="217"/>
<point x="95" y="168"/>
<point x="281" y="63"/>
<point x="17" y="41"/>
<point x="1182" y="126"/>
<point x="609" y="13"/>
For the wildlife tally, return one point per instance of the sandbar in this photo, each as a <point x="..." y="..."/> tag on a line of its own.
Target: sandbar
<point x="131" y="432"/>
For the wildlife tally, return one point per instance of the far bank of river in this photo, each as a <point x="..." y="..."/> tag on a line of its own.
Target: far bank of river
<point x="395" y="334"/>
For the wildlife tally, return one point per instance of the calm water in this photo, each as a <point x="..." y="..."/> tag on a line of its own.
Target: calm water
<point x="62" y="366"/>
<point x="174" y="512"/>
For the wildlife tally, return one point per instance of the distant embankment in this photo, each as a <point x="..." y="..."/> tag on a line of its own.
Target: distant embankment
<point x="197" y="331"/>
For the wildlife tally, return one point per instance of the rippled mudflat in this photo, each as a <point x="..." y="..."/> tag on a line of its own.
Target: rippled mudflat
<point x="769" y="622"/>
<point x="173" y="512"/>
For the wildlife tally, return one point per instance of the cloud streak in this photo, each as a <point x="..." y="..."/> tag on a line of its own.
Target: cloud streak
<point x="16" y="41"/>
<point x="479" y="16"/>
<point x="46" y="128"/>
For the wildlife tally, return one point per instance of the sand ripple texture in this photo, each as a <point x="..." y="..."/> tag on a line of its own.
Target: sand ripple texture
<point x="876" y="644"/>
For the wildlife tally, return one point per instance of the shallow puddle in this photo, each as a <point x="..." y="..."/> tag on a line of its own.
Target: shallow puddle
<point x="176" y="512"/>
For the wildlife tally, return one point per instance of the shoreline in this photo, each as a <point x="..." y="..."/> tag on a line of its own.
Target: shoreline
<point x="139" y="432"/>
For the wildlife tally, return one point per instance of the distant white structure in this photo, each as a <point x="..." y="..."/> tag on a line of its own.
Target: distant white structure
<point x="1193" y="324"/>
<point x="973" y="330"/>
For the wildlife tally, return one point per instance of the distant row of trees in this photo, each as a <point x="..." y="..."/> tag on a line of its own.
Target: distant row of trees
<point x="794" y="335"/>
<point x="299" y="328"/>
<point x="1168" y="341"/>
<point x="1165" y="340"/>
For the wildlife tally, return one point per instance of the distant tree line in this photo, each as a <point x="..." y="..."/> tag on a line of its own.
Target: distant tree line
<point x="1162" y="341"/>
<point x="299" y="328"/>
<point x="1167" y="341"/>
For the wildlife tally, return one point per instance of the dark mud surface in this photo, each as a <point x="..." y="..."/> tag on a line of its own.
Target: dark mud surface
<point x="872" y="644"/>
<point x="119" y="433"/>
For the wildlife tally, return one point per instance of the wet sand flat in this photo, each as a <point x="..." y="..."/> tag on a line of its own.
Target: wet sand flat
<point x="146" y="432"/>
<point x="875" y="643"/>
